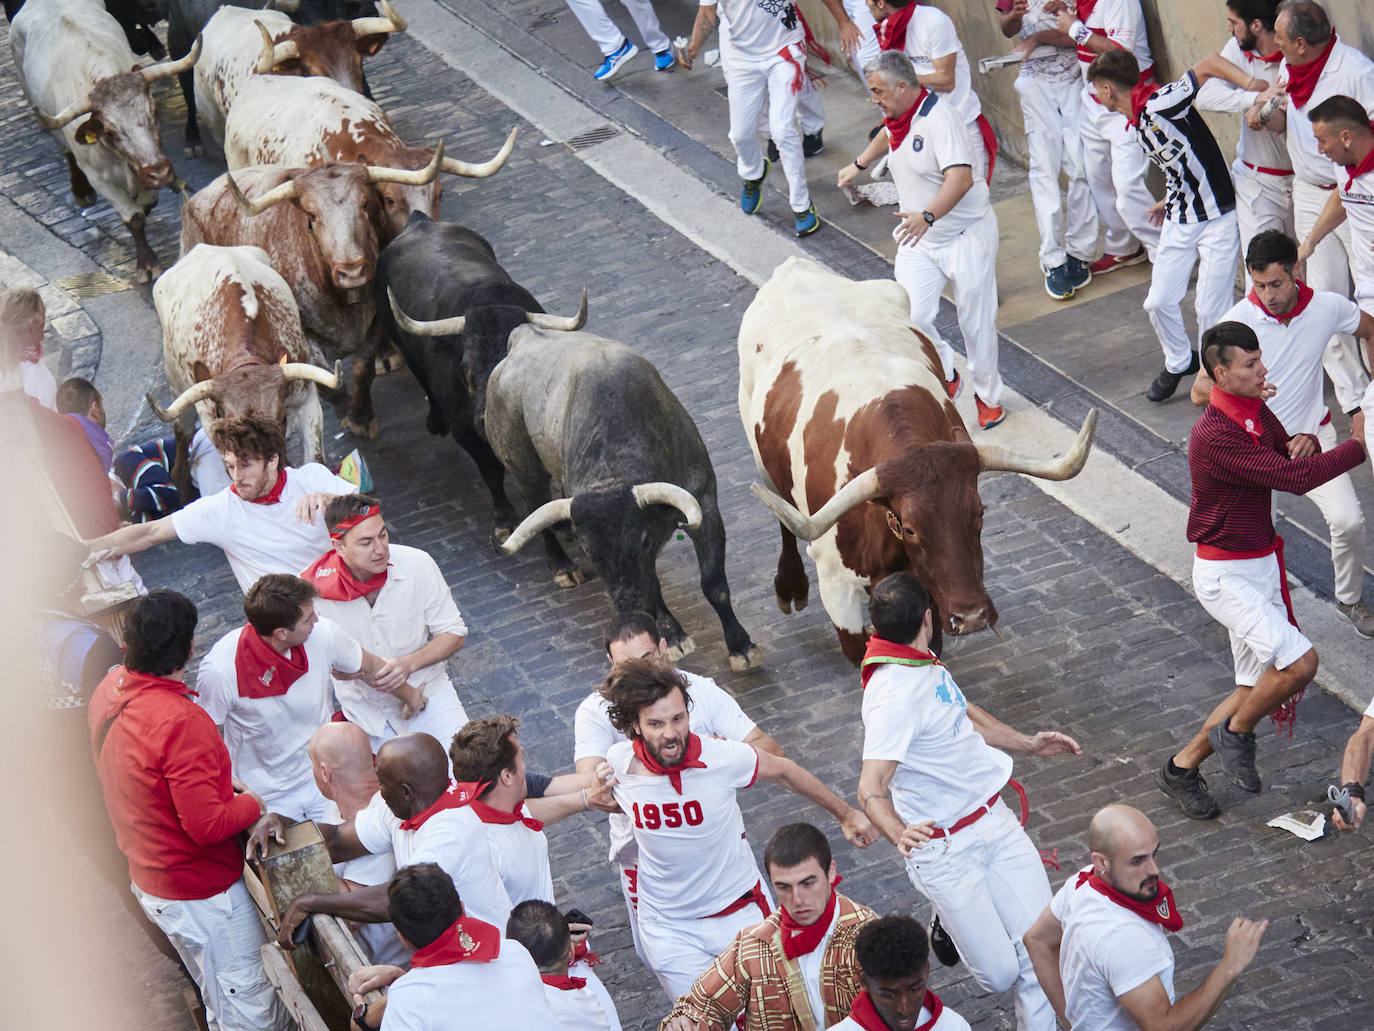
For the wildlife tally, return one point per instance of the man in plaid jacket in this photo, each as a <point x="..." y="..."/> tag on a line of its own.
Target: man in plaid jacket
<point x="796" y="971"/>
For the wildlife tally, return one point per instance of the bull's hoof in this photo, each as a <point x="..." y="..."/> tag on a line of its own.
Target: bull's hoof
<point x="566" y="578"/>
<point x="792" y="604"/>
<point x="685" y="647"/>
<point x="751" y="660"/>
<point x="499" y="536"/>
<point x="436" y="423"/>
<point x="193" y="150"/>
<point x="394" y="361"/>
<point x="370" y="429"/>
<point x="147" y="273"/>
<point x="84" y="200"/>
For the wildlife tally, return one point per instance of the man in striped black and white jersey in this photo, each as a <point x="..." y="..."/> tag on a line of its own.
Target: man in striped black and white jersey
<point x="1197" y="217"/>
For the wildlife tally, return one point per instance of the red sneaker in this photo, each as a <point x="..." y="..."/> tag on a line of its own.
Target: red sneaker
<point x="988" y="415"/>
<point x="953" y="386"/>
<point x="1112" y="262"/>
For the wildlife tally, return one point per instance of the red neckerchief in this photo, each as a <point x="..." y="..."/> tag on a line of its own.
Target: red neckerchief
<point x="891" y="31"/>
<point x="330" y="576"/>
<point x="1305" y="295"/>
<point x="264" y="672"/>
<point x="453" y="798"/>
<point x="1255" y="55"/>
<point x="1141" y="93"/>
<point x="490" y="814"/>
<point x="867" y="1017"/>
<point x="466" y="941"/>
<point x="880" y="652"/>
<point x="271" y="497"/>
<point x="897" y="128"/>
<point x="1243" y="411"/>
<point x="1159" y="910"/>
<point x="1355" y="171"/>
<point x="582" y="953"/>
<point x="1302" y="79"/>
<point x="341" y="531"/>
<point x="563" y="983"/>
<point x="799" y="940"/>
<point x="691" y="760"/>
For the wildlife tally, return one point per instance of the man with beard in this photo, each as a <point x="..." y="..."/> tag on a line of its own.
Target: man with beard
<point x="698" y="881"/>
<point x="894" y="960"/>
<point x="1099" y="947"/>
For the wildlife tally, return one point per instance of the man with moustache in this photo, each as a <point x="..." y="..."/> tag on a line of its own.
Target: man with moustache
<point x="894" y="961"/>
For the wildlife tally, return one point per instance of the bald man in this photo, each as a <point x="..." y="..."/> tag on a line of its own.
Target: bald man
<point x="1099" y="948"/>
<point x="417" y="818"/>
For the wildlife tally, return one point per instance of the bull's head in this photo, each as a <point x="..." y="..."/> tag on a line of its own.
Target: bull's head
<point x="248" y="390"/>
<point x="123" y="118"/>
<point x="929" y="501"/>
<point x="334" y="49"/>
<point x="340" y="211"/>
<point x="483" y="337"/>
<point x="399" y="200"/>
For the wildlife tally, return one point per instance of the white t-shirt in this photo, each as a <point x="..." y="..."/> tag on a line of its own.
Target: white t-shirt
<point x="453" y="838"/>
<point x="1123" y="22"/>
<point x="936" y="141"/>
<point x="693" y="857"/>
<point x="522" y="861"/>
<point x="262" y="539"/>
<point x="588" y="1008"/>
<point x="930" y="34"/>
<point x="505" y="993"/>
<point x="39" y="384"/>
<point x="1358" y="200"/>
<point x="917" y="716"/>
<point x="1050" y="63"/>
<point x="949" y="1021"/>
<point x="714" y="714"/>
<point x="267" y="737"/>
<point x="759" y="29"/>
<point x="1347" y="72"/>
<point x="1258" y="147"/>
<point x="412" y="607"/>
<point x="810" y="965"/>
<point x="1293" y="354"/>
<point x="1106" y="952"/>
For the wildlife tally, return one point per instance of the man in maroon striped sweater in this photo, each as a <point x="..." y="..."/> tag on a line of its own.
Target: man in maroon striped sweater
<point x="1239" y="454"/>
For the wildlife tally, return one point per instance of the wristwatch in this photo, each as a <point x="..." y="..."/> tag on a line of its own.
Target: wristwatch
<point x="930" y="219"/>
<point x="1080" y="33"/>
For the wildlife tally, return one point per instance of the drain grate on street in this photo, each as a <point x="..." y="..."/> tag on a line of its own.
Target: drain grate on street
<point x="93" y="284"/>
<point x="592" y="137"/>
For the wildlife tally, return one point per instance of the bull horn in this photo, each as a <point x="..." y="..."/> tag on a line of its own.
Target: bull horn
<point x="390" y="22"/>
<point x="166" y="68"/>
<point x="67" y="114"/>
<point x="661" y="493"/>
<point x="542" y="518"/>
<point x="862" y="488"/>
<point x="409" y="176"/>
<point x="195" y="392"/>
<point x="285" y="191"/>
<point x="451" y="326"/>
<point x="273" y="53"/>
<point x="313" y="373"/>
<point x="1000" y="459"/>
<point x="560" y="322"/>
<point x="486" y="168"/>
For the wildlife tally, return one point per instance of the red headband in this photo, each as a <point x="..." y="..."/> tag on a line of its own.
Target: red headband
<point x="345" y="525"/>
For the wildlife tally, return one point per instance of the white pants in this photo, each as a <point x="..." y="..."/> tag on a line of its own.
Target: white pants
<point x="1116" y="166"/>
<point x="1329" y="269"/>
<point x="988" y="885"/>
<point x="1340" y="507"/>
<point x="1051" y="111"/>
<point x="868" y="50"/>
<point x="970" y="262"/>
<point x="1213" y="245"/>
<point x="219" y="939"/>
<point x="1244" y="596"/>
<point x="753" y="84"/>
<point x="441" y="718"/>
<point x="677" y="951"/>
<point x="1263" y="201"/>
<point x="809" y="111"/>
<point x="609" y="38"/>
<point x="629" y="891"/>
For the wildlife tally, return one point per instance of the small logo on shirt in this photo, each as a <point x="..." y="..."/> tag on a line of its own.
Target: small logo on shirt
<point x="1163" y="909"/>
<point x="918" y="143"/>
<point x="1250" y="427"/>
<point x="266" y="678"/>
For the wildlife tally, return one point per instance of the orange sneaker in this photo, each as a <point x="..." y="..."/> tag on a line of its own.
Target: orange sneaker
<point x="988" y="415"/>
<point x="953" y="386"/>
<point x="1112" y="262"/>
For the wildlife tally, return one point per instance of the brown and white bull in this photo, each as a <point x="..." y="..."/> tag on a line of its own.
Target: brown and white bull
<point x="311" y="121"/>
<point x="232" y="345"/>
<point x="320" y="227"/>
<point x="77" y="70"/>
<point x="241" y="42"/>
<point x="862" y="452"/>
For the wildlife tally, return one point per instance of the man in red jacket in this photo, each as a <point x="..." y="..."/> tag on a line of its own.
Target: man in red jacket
<point x="166" y="777"/>
<point x="1239" y="454"/>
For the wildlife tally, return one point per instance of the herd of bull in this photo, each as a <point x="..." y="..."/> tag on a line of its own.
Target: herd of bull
<point x="323" y="235"/>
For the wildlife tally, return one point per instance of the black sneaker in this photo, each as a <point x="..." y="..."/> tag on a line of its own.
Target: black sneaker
<point x="1189" y="790"/>
<point x="772" y="152"/>
<point x="942" y="944"/>
<point x="812" y="144"/>
<point x="1237" y="755"/>
<point x="1167" y="382"/>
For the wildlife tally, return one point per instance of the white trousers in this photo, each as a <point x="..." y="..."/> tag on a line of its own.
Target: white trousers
<point x="988" y="885"/>
<point x="868" y="50"/>
<point x="1116" y="166"/>
<point x="1051" y="111"/>
<point x="604" y="32"/>
<point x="219" y="939"/>
<point x="629" y="891"/>
<point x="809" y="111"/>
<point x="1340" y="507"/>
<point x="969" y="262"/>
<point x="1245" y="597"/>
<point x="677" y="951"/>
<point x="1213" y="245"/>
<point x="1263" y="201"/>
<point x="756" y="84"/>
<point x="1329" y="269"/>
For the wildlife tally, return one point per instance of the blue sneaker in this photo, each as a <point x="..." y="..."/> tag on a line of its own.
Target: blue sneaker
<point x="1057" y="283"/>
<point x="751" y="193"/>
<point x="807" y="221"/>
<point x="1080" y="273"/>
<point x="664" y="61"/>
<point x="614" y="62"/>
